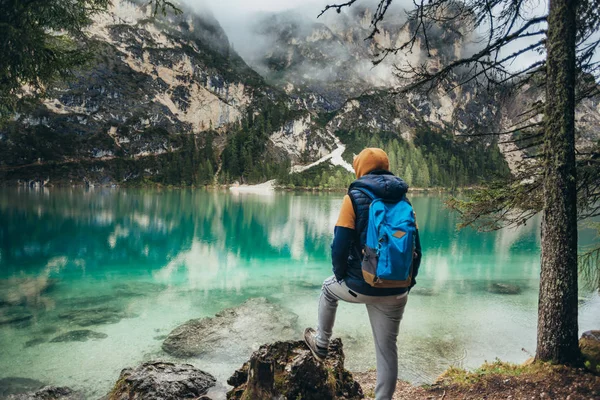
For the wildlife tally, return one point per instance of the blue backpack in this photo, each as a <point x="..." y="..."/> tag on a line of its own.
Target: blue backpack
<point x="388" y="251"/>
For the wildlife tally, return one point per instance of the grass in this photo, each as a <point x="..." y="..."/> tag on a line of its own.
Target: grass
<point x="461" y="377"/>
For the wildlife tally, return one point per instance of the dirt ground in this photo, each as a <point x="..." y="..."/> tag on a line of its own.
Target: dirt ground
<point x="545" y="382"/>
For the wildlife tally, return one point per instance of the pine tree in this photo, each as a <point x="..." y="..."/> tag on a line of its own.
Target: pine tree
<point x="39" y="43"/>
<point x="423" y="179"/>
<point x="408" y="175"/>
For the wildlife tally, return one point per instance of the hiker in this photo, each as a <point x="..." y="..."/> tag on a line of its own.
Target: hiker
<point x="355" y="283"/>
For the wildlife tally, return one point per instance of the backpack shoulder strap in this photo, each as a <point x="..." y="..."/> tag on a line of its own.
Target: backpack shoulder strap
<point x="366" y="192"/>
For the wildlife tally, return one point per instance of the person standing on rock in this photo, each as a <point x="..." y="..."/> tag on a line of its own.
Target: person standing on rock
<point x="355" y="279"/>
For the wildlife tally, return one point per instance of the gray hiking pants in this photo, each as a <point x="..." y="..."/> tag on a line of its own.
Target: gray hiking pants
<point x="385" y="313"/>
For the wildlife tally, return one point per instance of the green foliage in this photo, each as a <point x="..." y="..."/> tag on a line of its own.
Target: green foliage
<point x="589" y="260"/>
<point x="246" y="157"/>
<point x="322" y="176"/>
<point x="38" y="44"/>
<point x="40" y="41"/>
<point x="192" y="164"/>
<point x="498" y="204"/>
<point x="433" y="160"/>
<point x="461" y="377"/>
<point x="164" y="6"/>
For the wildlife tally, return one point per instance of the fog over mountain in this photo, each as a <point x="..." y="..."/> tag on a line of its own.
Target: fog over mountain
<point x="242" y="20"/>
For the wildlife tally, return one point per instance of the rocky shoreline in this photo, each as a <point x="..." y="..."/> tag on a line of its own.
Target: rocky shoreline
<point x="287" y="370"/>
<point x="38" y="184"/>
<point x="284" y="368"/>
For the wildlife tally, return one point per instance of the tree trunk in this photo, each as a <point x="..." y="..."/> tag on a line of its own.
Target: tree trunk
<point x="557" y="312"/>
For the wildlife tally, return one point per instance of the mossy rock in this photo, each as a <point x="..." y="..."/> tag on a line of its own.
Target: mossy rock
<point x="288" y="370"/>
<point x="590" y="350"/>
<point x="157" y="380"/>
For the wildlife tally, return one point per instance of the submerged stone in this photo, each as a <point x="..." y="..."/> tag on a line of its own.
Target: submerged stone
<point x="94" y="316"/>
<point x="15" y="316"/>
<point x="162" y="381"/>
<point x="233" y="331"/>
<point x="34" y="342"/>
<point x="590" y="350"/>
<point x="86" y="301"/>
<point x="16" y="385"/>
<point x="137" y="289"/>
<point x="81" y="335"/>
<point x="48" y="393"/>
<point x="288" y="370"/>
<point x="47" y="330"/>
<point x="504" y="288"/>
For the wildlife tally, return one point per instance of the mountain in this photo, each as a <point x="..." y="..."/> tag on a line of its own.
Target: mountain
<point x="331" y="57"/>
<point x="153" y="87"/>
<point x="167" y="100"/>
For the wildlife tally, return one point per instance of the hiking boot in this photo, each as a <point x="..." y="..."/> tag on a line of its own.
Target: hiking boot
<point x="310" y="338"/>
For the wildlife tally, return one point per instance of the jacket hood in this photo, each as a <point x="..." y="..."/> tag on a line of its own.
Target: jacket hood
<point x="370" y="159"/>
<point x="383" y="184"/>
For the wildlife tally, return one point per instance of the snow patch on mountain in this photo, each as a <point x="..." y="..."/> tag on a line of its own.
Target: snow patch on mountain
<point x="335" y="157"/>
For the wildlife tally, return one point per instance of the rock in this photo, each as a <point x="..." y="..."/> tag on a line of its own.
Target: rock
<point x="232" y="331"/>
<point x="25" y="291"/>
<point x="137" y="289"/>
<point x="81" y="335"/>
<point x="288" y="370"/>
<point x="86" y="301"/>
<point x="48" y="393"/>
<point x="15" y="316"/>
<point x="590" y="350"/>
<point x="162" y="381"/>
<point x="47" y="330"/>
<point x="503" y="288"/>
<point x="94" y="316"/>
<point x="16" y="385"/>
<point x="34" y="342"/>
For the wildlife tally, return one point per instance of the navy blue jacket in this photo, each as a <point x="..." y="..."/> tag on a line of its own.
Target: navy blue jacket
<point x="346" y="249"/>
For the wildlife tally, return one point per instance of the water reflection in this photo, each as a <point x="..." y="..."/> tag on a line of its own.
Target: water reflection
<point x="107" y="228"/>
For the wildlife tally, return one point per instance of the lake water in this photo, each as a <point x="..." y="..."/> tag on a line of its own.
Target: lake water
<point x="131" y="265"/>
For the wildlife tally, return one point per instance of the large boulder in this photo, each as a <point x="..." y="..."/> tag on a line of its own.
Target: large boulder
<point x="233" y="331"/>
<point x="162" y="381"/>
<point x="590" y="350"/>
<point x="288" y="370"/>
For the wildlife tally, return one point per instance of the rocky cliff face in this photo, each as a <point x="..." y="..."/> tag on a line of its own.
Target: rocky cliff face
<point x="151" y="83"/>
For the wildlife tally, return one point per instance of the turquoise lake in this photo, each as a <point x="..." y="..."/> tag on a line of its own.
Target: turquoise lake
<point x="146" y="261"/>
